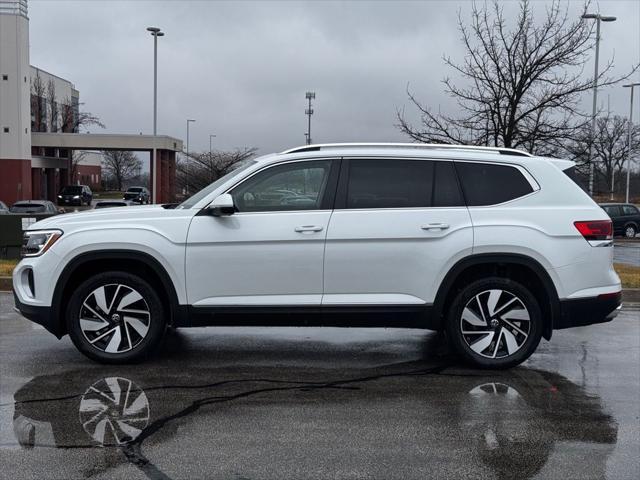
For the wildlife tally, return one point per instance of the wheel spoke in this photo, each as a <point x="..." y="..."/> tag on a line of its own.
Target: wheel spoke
<point x="483" y="343"/>
<point x="495" y="350"/>
<point x="114" y="343"/>
<point x="128" y="299"/>
<point x="472" y="318"/>
<point x="516" y="314"/>
<point x="492" y="301"/>
<point x="519" y="330"/>
<point x="137" y="325"/>
<point x="101" y="301"/>
<point x="510" y="340"/>
<point x="100" y="337"/>
<point x="93" y="324"/>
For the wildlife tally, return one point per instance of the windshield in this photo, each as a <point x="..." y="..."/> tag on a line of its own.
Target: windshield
<point x="135" y="189"/>
<point x="191" y="201"/>
<point x="71" y="190"/>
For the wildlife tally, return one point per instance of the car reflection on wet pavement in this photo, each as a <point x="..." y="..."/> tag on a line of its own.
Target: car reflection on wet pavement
<point x="320" y="403"/>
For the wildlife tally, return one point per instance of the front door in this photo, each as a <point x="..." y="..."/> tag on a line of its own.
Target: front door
<point x="270" y="252"/>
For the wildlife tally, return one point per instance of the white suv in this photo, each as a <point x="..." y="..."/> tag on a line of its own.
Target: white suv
<point x="493" y="246"/>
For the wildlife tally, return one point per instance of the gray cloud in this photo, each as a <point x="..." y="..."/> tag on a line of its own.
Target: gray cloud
<point x="241" y="68"/>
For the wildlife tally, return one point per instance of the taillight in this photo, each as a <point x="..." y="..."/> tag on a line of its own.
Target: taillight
<point x="595" y="229"/>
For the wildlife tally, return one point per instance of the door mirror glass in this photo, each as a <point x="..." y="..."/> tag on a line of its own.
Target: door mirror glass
<point x="222" y="206"/>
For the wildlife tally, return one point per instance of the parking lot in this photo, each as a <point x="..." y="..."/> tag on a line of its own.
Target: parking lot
<point x="319" y="403"/>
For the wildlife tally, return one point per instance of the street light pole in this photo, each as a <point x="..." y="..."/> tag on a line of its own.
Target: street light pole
<point x="155" y="33"/>
<point x="189" y="120"/>
<point x="598" y="18"/>
<point x="210" y="150"/>
<point x="631" y="86"/>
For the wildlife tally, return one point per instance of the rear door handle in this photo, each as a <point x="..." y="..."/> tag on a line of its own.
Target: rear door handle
<point x="308" y="228"/>
<point x="435" y="226"/>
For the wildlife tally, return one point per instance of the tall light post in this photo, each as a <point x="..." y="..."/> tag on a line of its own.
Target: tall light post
<point x="155" y="33"/>
<point x="210" y="149"/>
<point x="189" y="120"/>
<point x="309" y="111"/>
<point x="598" y="18"/>
<point x="631" y="86"/>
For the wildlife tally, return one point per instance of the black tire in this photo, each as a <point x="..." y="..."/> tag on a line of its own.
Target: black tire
<point x="479" y="291"/>
<point x="139" y="346"/>
<point x="630" y="231"/>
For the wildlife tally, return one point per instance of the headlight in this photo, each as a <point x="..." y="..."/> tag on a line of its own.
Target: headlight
<point x="59" y="196"/>
<point x="75" y="197"/>
<point x="36" y="242"/>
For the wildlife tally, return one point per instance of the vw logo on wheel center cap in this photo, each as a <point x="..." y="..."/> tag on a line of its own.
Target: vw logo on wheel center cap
<point x="115" y="318"/>
<point x="494" y="322"/>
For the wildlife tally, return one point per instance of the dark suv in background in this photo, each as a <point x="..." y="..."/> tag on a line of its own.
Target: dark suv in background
<point x="625" y="217"/>
<point x="137" y="194"/>
<point x="75" y="195"/>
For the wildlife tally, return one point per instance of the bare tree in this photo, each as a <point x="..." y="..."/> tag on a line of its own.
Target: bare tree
<point x="120" y="166"/>
<point x="38" y="103"/>
<point x="521" y="85"/>
<point x="52" y="106"/>
<point x="197" y="170"/>
<point x="610" y="148"/>
<point x="76" y="157"/>
<point x="72" y="119"/>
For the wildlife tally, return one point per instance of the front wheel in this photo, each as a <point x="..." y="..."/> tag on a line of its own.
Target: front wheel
<point x="115" y="317"/>
<point x="495" y="323"/>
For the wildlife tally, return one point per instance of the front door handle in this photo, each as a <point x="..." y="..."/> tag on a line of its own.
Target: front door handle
<point x="308" y="228"/>
<point x="435" y="226"/>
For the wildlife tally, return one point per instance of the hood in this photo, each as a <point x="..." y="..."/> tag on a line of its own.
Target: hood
<point x="116" y="215"/>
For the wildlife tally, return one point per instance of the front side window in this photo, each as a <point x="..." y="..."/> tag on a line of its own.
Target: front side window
<point x="488" y="184"/>
<point x="612" y="210"/>
<point x="292" y="186"/>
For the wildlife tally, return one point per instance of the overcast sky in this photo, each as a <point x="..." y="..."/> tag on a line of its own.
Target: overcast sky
<point x="241" y="68"/>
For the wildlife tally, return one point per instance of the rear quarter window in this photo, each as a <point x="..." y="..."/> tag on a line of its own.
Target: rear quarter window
<point x="487" y="184"/>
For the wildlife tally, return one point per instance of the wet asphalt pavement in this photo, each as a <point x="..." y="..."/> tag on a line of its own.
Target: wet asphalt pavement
<point x="296" y="403"/>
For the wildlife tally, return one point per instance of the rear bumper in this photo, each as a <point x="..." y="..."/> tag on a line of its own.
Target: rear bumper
<point x="587" y="311"/>
<point x="40" y="315"/>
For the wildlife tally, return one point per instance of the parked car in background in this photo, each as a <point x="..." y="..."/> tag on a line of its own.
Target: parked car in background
<point x="34" y="206"/>
<point x="3" y="208"/>
<point x="625" y="217"/>
<point x="494" y="246"/>
<point x="137" y="194"/>
<point x="75" y="195"/>
<point x="112" y="203"/>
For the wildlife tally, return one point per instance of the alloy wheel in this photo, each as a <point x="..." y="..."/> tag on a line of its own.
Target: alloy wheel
<point x="114" y="318"/>
<point x="630" y="232"/>
<point x="495" y="323"/>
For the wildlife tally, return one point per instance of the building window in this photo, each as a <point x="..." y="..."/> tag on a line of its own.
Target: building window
<point x="6" y="129"/>
<point x="5" y="77"/>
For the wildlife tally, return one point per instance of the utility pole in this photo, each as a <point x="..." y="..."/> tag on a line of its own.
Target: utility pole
<point x="155" y="33"/>
<point x="309" y="111"/>
<point x="598" y="18"/>
<point x="210" y="149"/>
<point x="631" y="86"/>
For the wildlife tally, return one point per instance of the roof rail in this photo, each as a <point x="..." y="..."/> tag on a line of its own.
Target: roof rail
<point x="437" y="146"/>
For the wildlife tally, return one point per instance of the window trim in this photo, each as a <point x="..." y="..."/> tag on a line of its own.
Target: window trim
<point x="328" y="198"/>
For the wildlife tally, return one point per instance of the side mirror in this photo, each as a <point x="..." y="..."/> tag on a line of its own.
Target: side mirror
<point x="222" y="206"/>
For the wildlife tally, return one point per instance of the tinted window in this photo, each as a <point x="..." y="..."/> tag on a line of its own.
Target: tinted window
<point x="389" y="183"/>
<point x="446" y="190"/>
<point x="486" y="184"/>
<point x="612" y="210"/>
<point x="293" y="186"/>
<point x="71" y="190"/>
<point x="28" y="208"/>
<point x="134" y="189"/>
<point x="629" y="210"/>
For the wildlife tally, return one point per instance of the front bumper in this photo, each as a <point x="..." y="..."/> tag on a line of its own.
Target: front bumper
<point x="41" y="315"/>
<point x="587" y="311"/>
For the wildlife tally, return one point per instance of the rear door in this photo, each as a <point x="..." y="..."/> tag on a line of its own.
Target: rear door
<point x="397" y="226"/>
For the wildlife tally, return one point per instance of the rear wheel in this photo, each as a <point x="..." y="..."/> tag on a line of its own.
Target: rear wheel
<point x="115" y="317"/>
<point x="630" y="231"/>
<point x="495" y="323"/>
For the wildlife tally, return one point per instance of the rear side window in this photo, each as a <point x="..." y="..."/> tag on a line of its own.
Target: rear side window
<point x="629" y="210"/>
<point x="486" y="184"/>
<point x="389" y="183"/>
